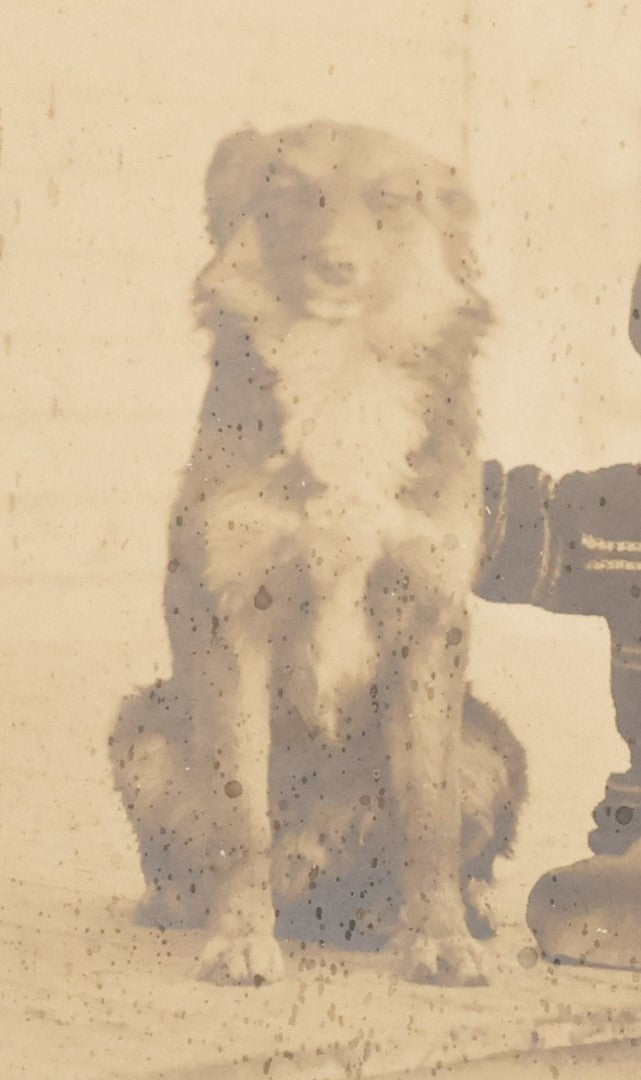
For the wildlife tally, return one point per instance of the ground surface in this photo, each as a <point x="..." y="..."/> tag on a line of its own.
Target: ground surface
<point x="88" y="995"/>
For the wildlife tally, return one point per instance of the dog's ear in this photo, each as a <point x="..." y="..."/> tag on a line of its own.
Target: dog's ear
<point x="455" y="216"/>
<point x="454" y="199"/>
<point x="236" y="277"/>
<point x="233" y="178"/>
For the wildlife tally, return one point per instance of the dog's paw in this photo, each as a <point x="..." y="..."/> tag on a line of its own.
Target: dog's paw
<point x="445" y="961"/>
<point x="247" y="960"/>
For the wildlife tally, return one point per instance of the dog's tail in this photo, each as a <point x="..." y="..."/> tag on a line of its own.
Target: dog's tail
<point x="493" y="787"/>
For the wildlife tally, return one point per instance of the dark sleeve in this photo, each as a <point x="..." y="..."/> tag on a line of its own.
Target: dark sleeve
<point x="516" y="552"/>
<point x="573" y="547"/>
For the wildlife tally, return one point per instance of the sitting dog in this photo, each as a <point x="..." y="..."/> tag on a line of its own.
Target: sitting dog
<point x="317" y="731"/>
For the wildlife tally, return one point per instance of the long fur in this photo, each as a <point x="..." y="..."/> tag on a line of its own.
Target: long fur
<point x="322" y="547"/>
<point x="325" y="844"/>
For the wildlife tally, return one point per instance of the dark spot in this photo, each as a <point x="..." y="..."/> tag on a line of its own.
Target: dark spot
<point x="233" y="789"/>
<point x="454" y="635"/>
<point x="322" y="201"/>
<point x="263" y="599"/>
<point x="527" y="957"/>
<point x="379" y="224"/>
<point x="624" y="815"/>
<point x="635" y="591"/>
<point x="173" y="566"/>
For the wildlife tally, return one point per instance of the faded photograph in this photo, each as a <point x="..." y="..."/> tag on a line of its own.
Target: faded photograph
<point x="322" y="545"/>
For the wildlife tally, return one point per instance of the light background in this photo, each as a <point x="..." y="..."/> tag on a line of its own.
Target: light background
<point x="110" y="112"/>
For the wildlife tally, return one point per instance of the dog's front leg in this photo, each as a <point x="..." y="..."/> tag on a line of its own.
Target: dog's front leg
<point x="242" y="947"/>
<point x="427" y="685"/>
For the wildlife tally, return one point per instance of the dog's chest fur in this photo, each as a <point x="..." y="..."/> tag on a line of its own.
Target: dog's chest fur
<point x="352" y="413"/>
<point x="362" y="445"/>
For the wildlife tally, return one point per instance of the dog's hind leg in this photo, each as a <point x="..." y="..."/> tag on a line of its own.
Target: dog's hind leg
<point x="493" y="790"/>
<point x="164" y="801"/>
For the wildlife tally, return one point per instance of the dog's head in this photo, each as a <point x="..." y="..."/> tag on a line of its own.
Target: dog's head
<point x="335" y="223"/>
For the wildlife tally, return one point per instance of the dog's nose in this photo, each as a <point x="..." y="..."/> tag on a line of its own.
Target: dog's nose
<point x="337" y="268"/>
<point x="340" y="261"/>
<point x="346" y="265"/>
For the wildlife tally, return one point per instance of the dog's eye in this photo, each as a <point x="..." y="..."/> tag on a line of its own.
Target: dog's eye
<point x="286" y="199"/>
<point x="391" y="200"/>
<point x="282" y="181"/>
<point x="458" y="205"/>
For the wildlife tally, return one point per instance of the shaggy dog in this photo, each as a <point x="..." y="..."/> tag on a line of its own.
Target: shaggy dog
<point x="316" y="738"/>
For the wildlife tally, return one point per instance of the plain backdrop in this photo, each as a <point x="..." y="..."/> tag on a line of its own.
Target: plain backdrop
<point x="110" y="113"/>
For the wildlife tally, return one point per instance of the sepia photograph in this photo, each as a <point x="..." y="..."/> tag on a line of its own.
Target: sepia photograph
<point x="321" y="540"/>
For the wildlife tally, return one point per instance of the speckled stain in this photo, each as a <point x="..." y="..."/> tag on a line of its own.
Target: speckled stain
<point x="98" y="399"/>
<point x="334" y="452"/>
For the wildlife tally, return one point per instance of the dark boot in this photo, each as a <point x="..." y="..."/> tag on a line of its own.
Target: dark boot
<point x="588" y="913"/>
